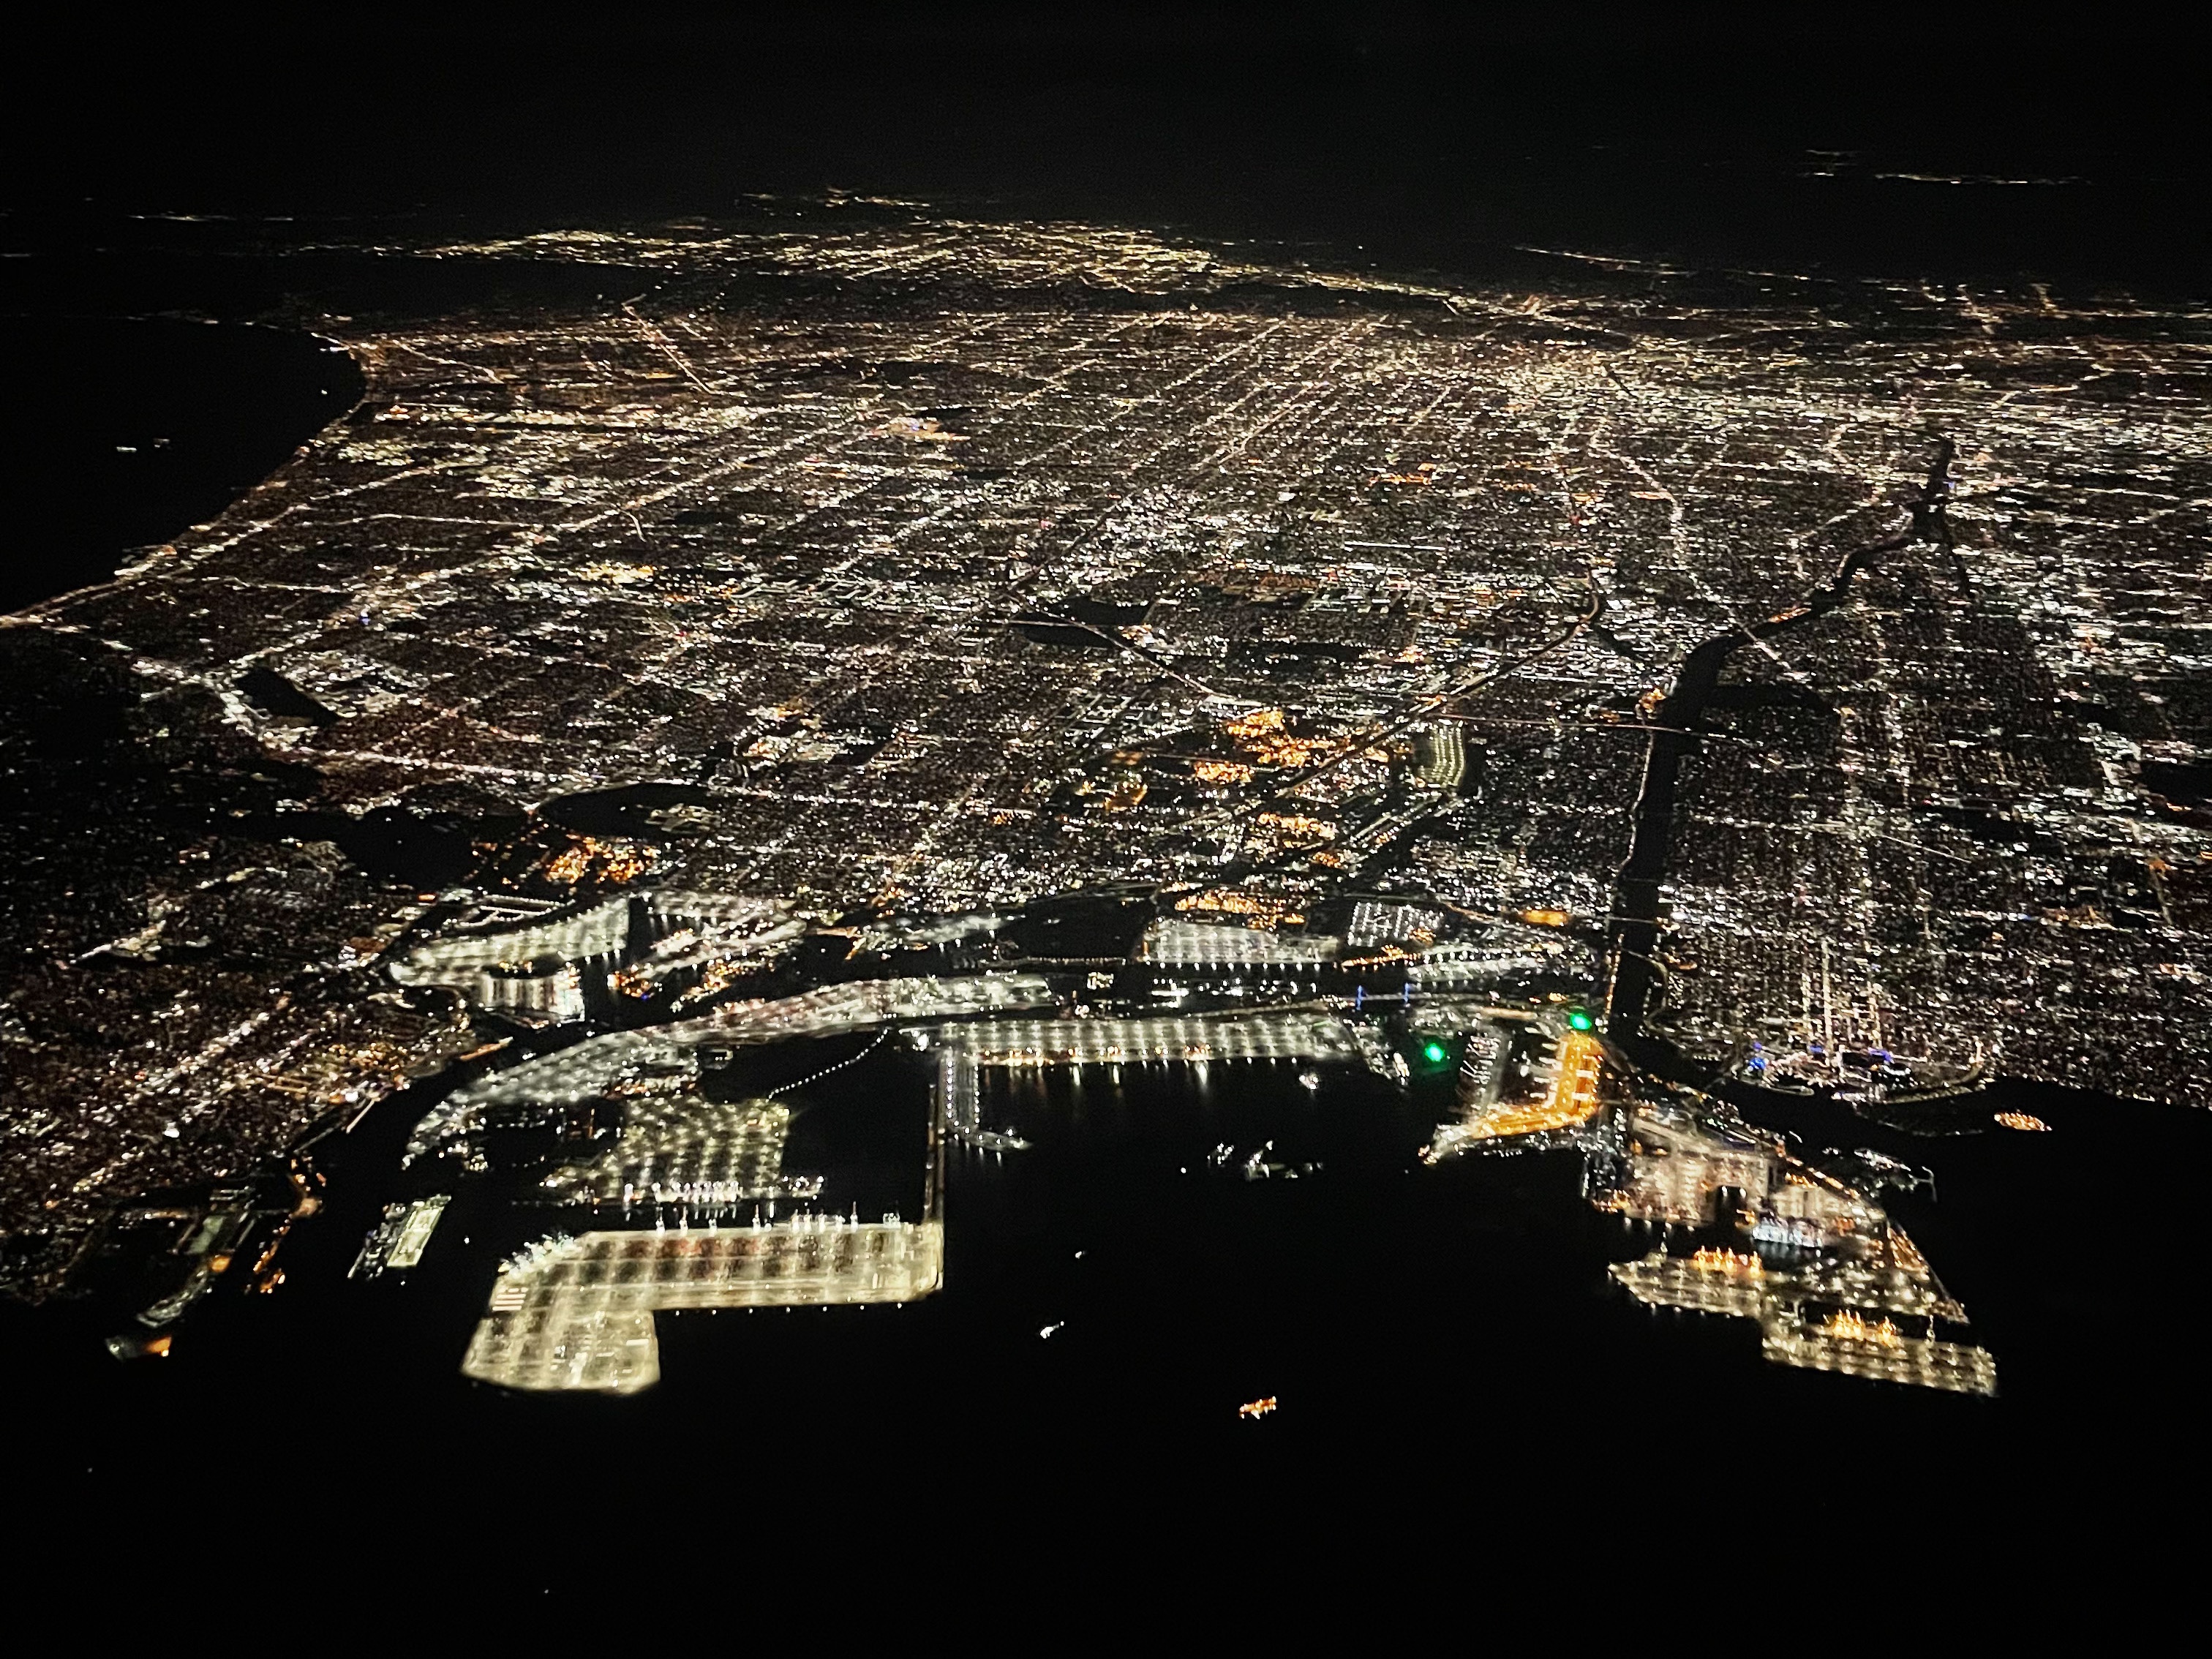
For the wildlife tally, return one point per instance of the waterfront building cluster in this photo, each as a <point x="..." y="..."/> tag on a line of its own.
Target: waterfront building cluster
<point x="1752" y="1232"/>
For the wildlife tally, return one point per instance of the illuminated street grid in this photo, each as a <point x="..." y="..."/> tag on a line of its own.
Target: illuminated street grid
<point x="955" y="566"/>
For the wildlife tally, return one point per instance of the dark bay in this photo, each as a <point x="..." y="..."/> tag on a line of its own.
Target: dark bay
<point x="132" y="428"/>
<point x="1436" y="1328"/>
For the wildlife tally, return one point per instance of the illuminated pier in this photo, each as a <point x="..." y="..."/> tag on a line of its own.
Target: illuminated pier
<point x="462" y="959"/>
<point x="1834" y="1284"/>
<point x="1570" y="1099"/>
<point x="1273" y="1036"/>
<point x="576" y="1314"/>
<point x="685" y="1150"/>
<point x="421" y="1220"/>
<point x="1202" y="944"/>
<point x="589" y="1068"/>
<point x="1845" y="1342"/>
<point x="960" y="1104"/>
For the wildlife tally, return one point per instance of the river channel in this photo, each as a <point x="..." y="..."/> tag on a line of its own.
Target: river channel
<point x="1638" y="918"/>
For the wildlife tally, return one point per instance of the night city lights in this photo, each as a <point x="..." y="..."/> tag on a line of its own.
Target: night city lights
<point x="1125" y="772"/>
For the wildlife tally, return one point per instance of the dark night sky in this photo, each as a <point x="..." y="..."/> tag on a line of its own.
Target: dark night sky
<point x="1426" y="133"/>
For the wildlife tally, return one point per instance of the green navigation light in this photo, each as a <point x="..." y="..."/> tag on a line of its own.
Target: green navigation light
<point x="1580" y="1021"/>
<point x="1436" y="1052"/>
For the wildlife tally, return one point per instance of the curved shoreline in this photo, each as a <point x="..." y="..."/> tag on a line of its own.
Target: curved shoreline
<point x="212" y="409"/>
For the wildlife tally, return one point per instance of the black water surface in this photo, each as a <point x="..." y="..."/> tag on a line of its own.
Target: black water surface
<point x="1425" y="1332"/>
<point x="133" y="429"/>
<point x="619" y="811"/>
